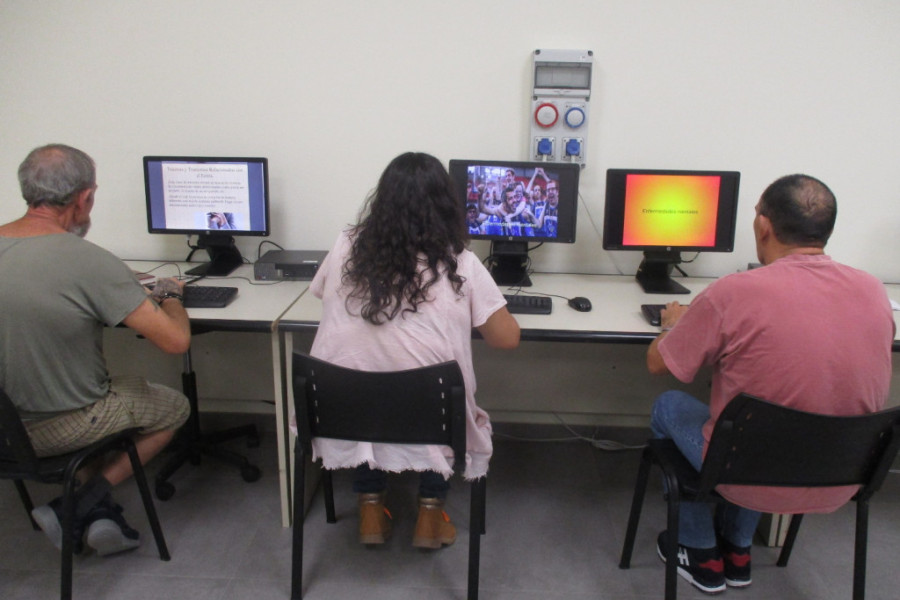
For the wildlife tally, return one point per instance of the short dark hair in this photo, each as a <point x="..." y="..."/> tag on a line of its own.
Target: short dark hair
<point x="801" y="208"/>
<point x="54" y="174"/>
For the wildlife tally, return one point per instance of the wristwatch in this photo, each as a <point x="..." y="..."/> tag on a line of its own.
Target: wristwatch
<point x="167" y="295"/>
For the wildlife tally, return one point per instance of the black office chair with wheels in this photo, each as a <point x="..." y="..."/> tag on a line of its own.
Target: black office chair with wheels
<point x="19" y="462"/>
<point x="419" y="406"/>
<point x="192" y="443"/>
<point x="755" y="442"/>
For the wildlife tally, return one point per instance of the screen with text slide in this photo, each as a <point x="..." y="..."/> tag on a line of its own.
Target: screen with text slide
<point x="204" y="195"/>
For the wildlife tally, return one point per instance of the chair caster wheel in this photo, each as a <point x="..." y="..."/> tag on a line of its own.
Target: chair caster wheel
<point x="250" y="473"/>
<point x="164" y="490"/>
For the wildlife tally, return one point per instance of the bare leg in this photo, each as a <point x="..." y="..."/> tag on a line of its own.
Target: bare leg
<point x="148" y="445"/>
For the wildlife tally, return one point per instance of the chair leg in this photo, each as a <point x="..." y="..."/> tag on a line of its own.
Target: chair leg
<point x="299" y="517"/>
<point x="191" y="443"/>
<point x="671" y="550"/>
<point x="328" y="488"/>
<point x="68" y="522"/>
<point x="789" y="540"/>
<point x="859" y="556"/>
<point x="483" y="507"/>
<point x="640" y="489"/>
<point x="478" y="502"/>
<point x="26" y="502"/>
<point x="141" y="479"/>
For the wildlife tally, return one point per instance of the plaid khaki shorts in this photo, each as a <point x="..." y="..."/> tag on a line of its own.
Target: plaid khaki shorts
<point x="131" y="402"/>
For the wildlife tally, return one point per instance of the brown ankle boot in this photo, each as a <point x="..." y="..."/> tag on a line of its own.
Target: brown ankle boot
<point x="433" y="528"/>
<point x="374" y="519"/>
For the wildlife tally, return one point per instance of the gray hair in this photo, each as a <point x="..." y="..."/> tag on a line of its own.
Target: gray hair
<point x="54" y="174"/>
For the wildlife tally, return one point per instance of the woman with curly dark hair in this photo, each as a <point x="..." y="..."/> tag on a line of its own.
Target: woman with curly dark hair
<point x="400" y="290"/>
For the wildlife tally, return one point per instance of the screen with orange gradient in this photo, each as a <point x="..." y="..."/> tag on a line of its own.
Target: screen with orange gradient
<point x="670" y="210"/>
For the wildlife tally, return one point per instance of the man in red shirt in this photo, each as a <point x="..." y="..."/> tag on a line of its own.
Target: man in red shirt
<point x="803" y="331"/>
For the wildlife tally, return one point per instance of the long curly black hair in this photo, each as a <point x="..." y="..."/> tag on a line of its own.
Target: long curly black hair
<point x="412" y="218"/>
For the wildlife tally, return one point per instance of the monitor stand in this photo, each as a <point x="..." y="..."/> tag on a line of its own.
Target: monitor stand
<point x="224" y="257"/>
<point x="654" y="273"/>
<point x="509" y="263"/>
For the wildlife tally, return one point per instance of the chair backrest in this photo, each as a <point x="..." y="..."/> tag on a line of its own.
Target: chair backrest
<point x="16" y="452"/>
<point x="426" y="405"/>
<point x="756" y="442"/>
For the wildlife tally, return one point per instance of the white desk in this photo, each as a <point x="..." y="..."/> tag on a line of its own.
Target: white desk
<point x="614" y="318"/>
<point x="258" y="306"/>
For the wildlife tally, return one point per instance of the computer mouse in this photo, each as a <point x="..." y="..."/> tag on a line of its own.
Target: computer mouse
<point x="580" y="303"/>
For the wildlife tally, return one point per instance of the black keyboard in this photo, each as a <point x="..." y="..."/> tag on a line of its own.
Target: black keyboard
<point x="208" y="296"/>
<point x="528" y="305"/>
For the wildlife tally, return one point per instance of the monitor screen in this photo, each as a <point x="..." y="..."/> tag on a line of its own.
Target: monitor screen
<point x="670" y="210"/>
<point x="518" y="201"/>
<point x="665" y="213"/>
<point x="194" y="195"/>
<point x="213" y="198"/>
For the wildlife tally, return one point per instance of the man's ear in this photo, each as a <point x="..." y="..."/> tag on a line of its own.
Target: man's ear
<point x="84" y="200"/>
<point x="764" y="227"/>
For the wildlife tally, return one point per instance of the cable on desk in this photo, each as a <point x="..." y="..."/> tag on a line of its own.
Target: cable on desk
<point x="259" y="247"/>
<point x="517" y="289"/>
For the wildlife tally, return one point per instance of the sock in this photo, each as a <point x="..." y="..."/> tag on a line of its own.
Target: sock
<point x="89" y="494"/>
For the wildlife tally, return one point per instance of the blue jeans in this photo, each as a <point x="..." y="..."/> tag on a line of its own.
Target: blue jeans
<point x="369" y="481"/>
<point x="680" y="417"/>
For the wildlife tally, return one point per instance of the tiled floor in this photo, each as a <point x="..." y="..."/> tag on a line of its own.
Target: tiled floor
<point x="556" y="518"/>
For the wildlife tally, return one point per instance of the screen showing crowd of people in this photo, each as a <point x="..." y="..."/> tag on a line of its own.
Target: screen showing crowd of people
<point x="503" y="202"/>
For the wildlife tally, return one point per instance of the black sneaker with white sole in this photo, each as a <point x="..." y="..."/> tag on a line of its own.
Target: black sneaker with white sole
<point x="49" y="519"/>
<point x="737" y="564"/>
<point x="107" y="531"/>
<point x="703" y="567"/>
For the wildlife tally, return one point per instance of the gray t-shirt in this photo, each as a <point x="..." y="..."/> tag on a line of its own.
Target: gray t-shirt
<point x="57" y="293"/>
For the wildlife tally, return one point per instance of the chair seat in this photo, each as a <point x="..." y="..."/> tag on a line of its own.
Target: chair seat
<point x="52" y="469"/>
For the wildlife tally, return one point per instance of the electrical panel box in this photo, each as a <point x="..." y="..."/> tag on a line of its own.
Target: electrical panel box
<point x="560" y="105"/>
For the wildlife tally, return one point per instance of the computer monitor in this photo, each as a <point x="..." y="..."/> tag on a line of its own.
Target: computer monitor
<point x="513" y="204"/>
<point x="212" y="198"/>
<point x="664" y="213"/>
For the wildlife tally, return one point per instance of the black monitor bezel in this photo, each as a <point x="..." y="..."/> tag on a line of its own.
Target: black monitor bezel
<point x="264" y="162"/>
<point x="569" y="174"/>
<point x="614" y="210"/>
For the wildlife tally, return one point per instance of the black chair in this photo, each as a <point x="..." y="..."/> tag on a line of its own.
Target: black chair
<point x="755" y="442"/>
<point x="19" y="462"/>
<point x="418" y="406"/>
<point x="191" y="443"/>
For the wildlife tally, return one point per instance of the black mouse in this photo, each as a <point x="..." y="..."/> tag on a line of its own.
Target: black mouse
<point x="580" y="303"/>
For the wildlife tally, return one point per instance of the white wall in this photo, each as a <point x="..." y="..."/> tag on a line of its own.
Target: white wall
<point x="331" y="91"/>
